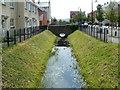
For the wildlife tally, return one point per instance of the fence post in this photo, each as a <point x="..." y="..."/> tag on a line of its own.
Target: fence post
<point x="8" y="39"/>
<point x="100" y="34"/>
<point x="97" y="32"/>
<point x="87" y="30"/>
<point x="27" y="33"/>
<point x="24" y="34"/>
<point x="33" y="31"/>
<point x="30" y="31"/>
<point x="91" y="31"/>
<point x="14" y="36"/>
<point x="20" y="35"/>
<point x="104" y="35"/>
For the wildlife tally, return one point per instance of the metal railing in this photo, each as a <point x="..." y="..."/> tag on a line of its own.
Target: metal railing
<point x="13" y="36"/>
<point x="106" y="34"/>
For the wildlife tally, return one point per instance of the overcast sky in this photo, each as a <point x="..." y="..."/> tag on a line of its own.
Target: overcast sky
<point x="60" y="9"/>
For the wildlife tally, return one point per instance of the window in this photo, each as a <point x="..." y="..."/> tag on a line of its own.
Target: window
<point x="3" y="24"/>
<point x="27" y="23"/>
<point x="11" y="4"/>
<point x="29" y="6"/>
<point x="30" y="23"/>
<point x="11" y="22"/>
<point x="35" y="10"/>
<point x="3" y="1"/>
<point x="25" y="5"/>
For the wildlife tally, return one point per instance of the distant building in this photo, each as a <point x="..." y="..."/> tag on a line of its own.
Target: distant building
<point x="106" y="8"/>
<point x="42" y="17"/>
<point x="93" y="14"/>
<point x="45" y="7"/>
<point x="73" y="13"/>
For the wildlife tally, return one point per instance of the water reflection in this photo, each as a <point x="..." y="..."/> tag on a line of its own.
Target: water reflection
<point x="62" y="70"/>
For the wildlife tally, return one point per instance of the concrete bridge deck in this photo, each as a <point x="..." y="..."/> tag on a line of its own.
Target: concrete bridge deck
<point x="58" y="29"/>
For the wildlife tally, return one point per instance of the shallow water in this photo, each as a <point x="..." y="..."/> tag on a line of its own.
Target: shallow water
<point x="62" y="70"/>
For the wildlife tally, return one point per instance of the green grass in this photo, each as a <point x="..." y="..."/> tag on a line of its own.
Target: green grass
<point x="98" y="60"/>
<point x="24" y="63"/>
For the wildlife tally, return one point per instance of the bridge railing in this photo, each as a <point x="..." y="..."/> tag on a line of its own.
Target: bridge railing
<point x="106" y="34"/>
<point x="13" y="36"/>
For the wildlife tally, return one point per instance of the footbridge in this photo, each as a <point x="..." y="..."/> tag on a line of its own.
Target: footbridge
<point x="61" y="30"/>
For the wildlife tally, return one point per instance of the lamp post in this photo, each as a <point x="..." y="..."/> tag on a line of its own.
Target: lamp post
<point x="92" y="11"/>
<point x="92" y="15"/>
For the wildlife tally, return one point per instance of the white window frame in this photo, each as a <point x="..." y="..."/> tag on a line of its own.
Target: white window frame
<point x="35" y="10"/>
<point x="11" y="22"/>
<point x="3" y="2"/>
<point x="11" y="4"/>
<point x="29" y="6"/>
<point x="3" y="24"/>
<point x="25" y="4"/>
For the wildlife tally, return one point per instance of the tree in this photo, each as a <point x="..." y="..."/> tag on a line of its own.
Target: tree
<point x="89" y="18"/>
<point x="60" y="21"/>
<point x="53" y="20"/>
<point x="80" y="17"/>
<point x="99" y="13"/>
<point x="112" y="14"/>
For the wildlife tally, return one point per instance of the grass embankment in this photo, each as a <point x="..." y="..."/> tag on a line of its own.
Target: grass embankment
<point x="24" y="63"/>
<point x="98" y="60"/>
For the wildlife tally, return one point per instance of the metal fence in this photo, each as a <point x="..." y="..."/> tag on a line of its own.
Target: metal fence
<point x="13" y="36"/>
<point x="102" y="33"/>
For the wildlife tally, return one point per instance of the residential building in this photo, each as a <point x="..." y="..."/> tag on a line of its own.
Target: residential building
<point x="93" y="14"/>
<point x="28" y="14"/>
<point x="106" y="6"/>
<point x="45" y="7"/>
<point x="43" y="17"/>
<point x="15" y="15"/>
<point x="106" y="9"/>
<point x="8" y="15"/>
<point x="73" y="14"/>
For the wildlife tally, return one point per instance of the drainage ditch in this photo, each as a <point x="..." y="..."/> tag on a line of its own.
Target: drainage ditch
<point x="62" y="70"/>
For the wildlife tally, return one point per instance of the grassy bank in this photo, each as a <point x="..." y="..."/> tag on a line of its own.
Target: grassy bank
<point x="98" y="60"/>
<point x="24" y="63"/>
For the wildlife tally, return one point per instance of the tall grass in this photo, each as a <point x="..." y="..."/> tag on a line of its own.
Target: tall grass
<point x="24" y="63"/>
<point x="98" y="60"/>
